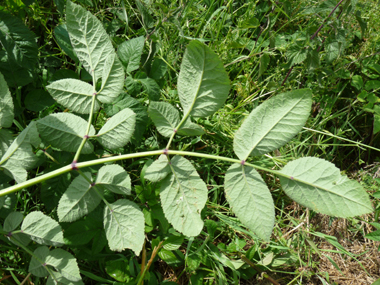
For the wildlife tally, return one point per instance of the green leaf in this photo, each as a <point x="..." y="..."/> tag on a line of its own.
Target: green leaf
<point x="264" y="62"/>
<point x="17" y="41"/>
<point x="119" y="270"/>
<point x="164" y="116"/>
<point x="296" y="54"/>
<point x="63" y="40"/>
<point x="65" y="131"/>
<point x="15" y="171"/>
<point x="376" y="124"/>
<point x="130" y="52"/>
<point x="124" y="226"/>
<point x="158" y="170"/>
<point x="73" y="94"/>
<point x="183" y="195"/>
<point x="114" y="178"/>
<point x="372" y="84"/>
<point x="357" y="82"/>
<point x="118" y="130"/>
<point x="6" y="104"/>
<point x="36" y="265"/>
<point x="373" y="235"/>
<point x="6" y="139"/>
<point x="332" y="51"/>
<point x="173" y="242"/>
<point x="140" y="110"/>
<point x="151" y="88"/>
<point x="362" y="23"/>
<point x="78" y="200"/>
<point x="318" y="185"/>
<point x="12" y="222"/>
<point x="272" y="124"/>
<point x="90" y="41"/>
<point x="250" y="199"/>
<point x="53" y="189"/>
<point x="38" y="99"/>
<point x="42" y="229"/>
<point x="203" y="84"/>
<point x="65" y="263"/>
<point x="81" y="232"/>
<point x="146" y="17"/>
<point x="312" y="60"/>
<point x="112" y="80"/>
<point x="61" y="280"/>
<point x="158" y="69"/>
<point x="190" y="129"/>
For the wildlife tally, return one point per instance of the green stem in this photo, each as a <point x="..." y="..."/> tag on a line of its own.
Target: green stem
<point x="343" y="139"/>
<point x="79" y="165"/>
<point x="85" y="137"/>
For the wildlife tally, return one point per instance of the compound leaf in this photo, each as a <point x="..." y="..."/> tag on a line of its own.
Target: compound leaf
<point x="6" y="105"/>
<point x="65" y="131"/>
<point x="250" y="199"/>
<point x="203" y="84"/>
<point x="42" y="229"/>
<point x="15" y="171"/>
<point x="115" y="179"/>
<point x="124" y="226"/>
<point x="18" y="42"/>
<point x="81" y="232"/>
<point x="164" y="116"/>
<point x="118" y="130"/>
<point x="151" y="88"/>
<point x="112" y="80"/>
<point x="78" y="200"/>
<point x="73" y="94"/>
<point x="90" y="41"/>
<point x="317" y="184"/>
<point x="130" y="52"/>
<point x="183" y="195"/>
<point x="158" y="170"/>
<point x="272" y="124"/>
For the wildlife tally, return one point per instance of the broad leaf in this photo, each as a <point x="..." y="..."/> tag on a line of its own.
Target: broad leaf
<point x="6" y="105"/>
<point x="250" y="199"/>
<point x="61" y="280"/>
<point x="73" y="94"/>
<point x="118" y="130"/>
<point x="20" y="153"/>
<point x="6" y="139"/>
<point x="90" y="41"/>
<point x="183" y="195"/>
<point x="37" y="263"/>
<point x="81" y="232"/>
<point x="158" y="170"/>
<point x="124" y="226"/>
<point x="318" y="185"/>
<point x="164" y="116"/>
<point x="190" y="129"/>
<point x="112" y="80"/>
<point x="203" y="84"/>
<point x="18" y="42"/>
<point x="65" y="263"/>
<point x="65" y="131"/>
<point x="38" y="99"/>
<point x="151" y="88"/>
<point x="15" y="171"/>
<point x="78" y="200"/>
<point x="114" y="178"/>
<point x="264" y="62"/>
<point x="63" y="40"/>
<point x="272" y="124"/>
<point x="130" y="52"/>
<point x="12" y="222"/>
<point x="146" y="17"/>
<point x="42" y="229"/>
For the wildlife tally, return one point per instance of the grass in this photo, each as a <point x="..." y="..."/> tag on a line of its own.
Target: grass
<point x="306" y="247"/>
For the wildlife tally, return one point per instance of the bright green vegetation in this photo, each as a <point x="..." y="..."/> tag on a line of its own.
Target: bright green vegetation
<point x="143" y="138"/>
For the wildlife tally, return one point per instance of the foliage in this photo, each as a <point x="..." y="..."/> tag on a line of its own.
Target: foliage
<point x="80" y="150"/>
